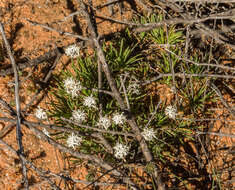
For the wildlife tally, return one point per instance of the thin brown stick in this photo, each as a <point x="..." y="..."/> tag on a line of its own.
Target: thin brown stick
<point x="97" y="129"/>
<point x="45" y="80"/>
<point x="150" y="26"/>
<point x="110" y="2"/>
<point x="17" y="101"/>
<point x="7" y="107"/>
<point x="161" y="75"/>
<point x="41" y="59"/>
<point x="215" y="88"/>
<point x="199" y="64"/>
<point x="66" y="129"/>
<point x="60" y="32"/>
<point x="112" y="84"/>
<point x="216" y="134"/>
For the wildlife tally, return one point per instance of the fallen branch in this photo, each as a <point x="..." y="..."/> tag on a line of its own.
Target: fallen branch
<point x="17" y="101"/>
<point x="130" y="119"/>
<point x="60" y="32"/>
<point x="161" y="75"/>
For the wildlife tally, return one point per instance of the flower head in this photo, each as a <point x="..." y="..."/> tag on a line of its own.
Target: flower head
<point x="104" y="122"/>
<point x="148" y="134"/>
<point x="74" y="140"/>
<point x="40" y="113"/>
<point x="72" y="86"/>
<point x="118" y="118"/>
<point x="133" y="88"/>
<point x="170" y="111"/>
<point x="72" y="51"/>
<point x="46" y="132"/>
<point x="120" y="150"/>
<point x="89" y="101"/>
<point x="78" y="116"/>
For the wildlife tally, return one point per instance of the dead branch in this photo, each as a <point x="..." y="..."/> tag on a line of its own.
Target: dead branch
<point x="161" y="75"/>
<point x="216" y="134"/>
<point x="60" y="32"/>
<point x="118" y="97"/>
<point x="174" y="21"/>
<point x="47" y="56"/>
<point x="17" y="101"/>
<point x="215" y="88"/>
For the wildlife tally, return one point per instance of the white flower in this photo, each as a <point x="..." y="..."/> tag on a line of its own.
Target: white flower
<point x="40" y="113"/>
<point x="148" y="134"/>
<point x="78" y="116"/>
<point x="170" y="111"/>
<point x="72" y="86"/>
<point x="46" y="132"/>
<point x="72" y="51"/>
<point x="120" y="150"/>
<point x="89" y="101"/>
<point x="74" y="140"/>
<point x="118" y="118"/>
<point x="133" y="88"/>
<point x="104" y="122"/>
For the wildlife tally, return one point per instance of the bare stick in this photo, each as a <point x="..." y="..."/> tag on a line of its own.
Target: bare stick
<point x="222" y="99"/>
<point x="17" y="101"/>
<point x="66" y="129"/>
<point x="60" y="32"/>
<point x="103" y="16"/>
<point x="17" y="98"/>
<point x="144" y="6"/>
<point x="6" y="130"/>
<point x="174" y="89"/>
<point x="125" y="93"/>
<point x="113" y="86"/>
<point x="110" y="2"/>
<point x="216" y="134"/>
<point x="151" y="26"/>
<point x="97" y="129"/>
<point x="161" y="75"/>
<point x="153" y="114"/>
<point x="103" y="141"/>
<point x="7" y="107"/>
<point x="199" y="64"/>
<point x="100" y="90"/>
<point x="45" y="80"/>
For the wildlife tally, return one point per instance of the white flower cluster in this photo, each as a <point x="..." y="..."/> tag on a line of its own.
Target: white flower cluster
<point x="119" y="119"/>
<point x="133" y="88"/>
<point x="74" y="140"/>
<point x="171" y="112"/>
<point x="72" y="51"/>
<point x="120" y="150"/>
<point x="72" y="86"/>
<point x="104" y="122"/>
<point x="40" y="113"/>
<point x="148" y="134"/>
<point x="90" y="102"/>
<point x="78" y="116"/>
